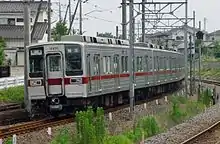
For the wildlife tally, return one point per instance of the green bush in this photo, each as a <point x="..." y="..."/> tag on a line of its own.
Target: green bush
<point x="119" y="139"/>
<point x="206" y="97"/>
<point x="176" y="114"/>
<point x="8" y="141"/>
<point x="90" y="127"/>
<point x="193" y="108"/>
<point x="63" y="137"/>
<point x="12" y="94"/>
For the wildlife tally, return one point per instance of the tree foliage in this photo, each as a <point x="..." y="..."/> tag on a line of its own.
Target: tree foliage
<point x="216" y="49"/>
<point x="59" y="30"/>
<point x="2" y="54"/>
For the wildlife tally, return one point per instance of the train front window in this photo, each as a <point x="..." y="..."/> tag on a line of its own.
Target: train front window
<point x="36" y="62"/>
<point x="73" y="60"/>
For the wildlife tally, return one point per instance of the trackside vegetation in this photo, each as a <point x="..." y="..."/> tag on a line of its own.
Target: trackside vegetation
<point x="12" y="94"/>
<point x="91" y="125"/>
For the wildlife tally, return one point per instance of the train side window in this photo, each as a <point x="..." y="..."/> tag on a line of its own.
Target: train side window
<point x="89" y="71"/>
<point x="107" y="64"/>
<point x="122" y="63"/>
<point x="139" y="63"/>
<point x="146" y="63"/>
<point x="116" y="63"/>
<point x="150" y="64"/>
<point x="165" y="63"/>
<point x="158" y="63"/>
<point x="126" y="63"/>
<point x="104" y="64"/>
<point x="96" y="60"/>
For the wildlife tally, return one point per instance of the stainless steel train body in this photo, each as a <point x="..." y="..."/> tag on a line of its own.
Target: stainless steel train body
<point x="71" y="71"/>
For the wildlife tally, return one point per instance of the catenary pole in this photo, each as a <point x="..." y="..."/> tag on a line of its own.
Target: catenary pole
<point x="131" y="57"/>
<point x="194" y="51"/>
<point x="27" y="41"/>
<point x="124" y="20"/>
<point x="200" y="53"/>
<point x="49" y="21"/>
<point x="143" y="20"/>
<point x="70" y="15"/>
<point x="185" y="48"/>
<point x="80" y="17"/>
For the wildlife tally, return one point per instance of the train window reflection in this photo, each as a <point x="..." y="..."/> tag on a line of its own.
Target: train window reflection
<point x="36" y="64"/>
<point x="54" y="63"/>
<point x="73" y="60"/>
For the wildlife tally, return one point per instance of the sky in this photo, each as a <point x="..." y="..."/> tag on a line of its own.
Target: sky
<point x="106" y="14"/>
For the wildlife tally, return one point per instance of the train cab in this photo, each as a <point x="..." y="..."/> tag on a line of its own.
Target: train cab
<point x="55" y="73"/>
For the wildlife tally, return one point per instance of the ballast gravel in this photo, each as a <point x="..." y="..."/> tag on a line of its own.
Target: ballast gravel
<point x="120" y="121"/>
<point x="189" y="128"/>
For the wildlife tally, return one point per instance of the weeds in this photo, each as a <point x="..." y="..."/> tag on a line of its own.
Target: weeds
<point x="91" y="125"/>
<point x="12" y="94"/>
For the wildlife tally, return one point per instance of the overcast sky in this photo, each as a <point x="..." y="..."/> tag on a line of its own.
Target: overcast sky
<point x="110" y="17"/>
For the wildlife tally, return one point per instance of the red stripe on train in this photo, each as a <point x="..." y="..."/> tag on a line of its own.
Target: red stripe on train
<point x="85" y="80"/>
<point x="58" y="81"/>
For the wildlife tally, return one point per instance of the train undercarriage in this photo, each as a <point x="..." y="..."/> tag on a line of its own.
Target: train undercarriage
<point x="69" y="106"/>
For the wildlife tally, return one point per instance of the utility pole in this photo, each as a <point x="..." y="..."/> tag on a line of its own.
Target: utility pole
<point x="199" y="60"/>
<point x="70" y="15"/>
<point x="49" y="20"/>
<point x="60" y="15"/>
<point x="194" y="51"/>
<point x="186" y="48"/>
<point x="190" y="47"/>
<point x="27" y="41"/>
<point x="143" y="20"/>
<point x="131" y="57"/>
<point x="124" y="20"/>
<point x="80" y="17"/>
<point x="117" y="32"/>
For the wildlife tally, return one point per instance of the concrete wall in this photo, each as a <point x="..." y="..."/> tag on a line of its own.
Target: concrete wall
<point x="17" y="71"/>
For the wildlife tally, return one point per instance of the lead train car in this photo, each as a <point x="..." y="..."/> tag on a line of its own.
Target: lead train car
<point x="80" y="71"/>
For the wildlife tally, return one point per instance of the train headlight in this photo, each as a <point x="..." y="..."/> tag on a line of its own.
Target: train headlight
<point x="55" y="101"/>
<point x="35" y="83"/>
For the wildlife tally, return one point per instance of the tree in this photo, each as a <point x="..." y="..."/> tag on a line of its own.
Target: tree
<point x="216" y="49"/>
<point x="2" y="54"/>
<point x="106" y="34"/>
<point x="59" y="30"/>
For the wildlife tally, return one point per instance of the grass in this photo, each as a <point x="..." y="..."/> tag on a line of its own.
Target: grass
<point x="91" y="125"/>
<point x="12" y="94"/>
<point x="210" y="73"/>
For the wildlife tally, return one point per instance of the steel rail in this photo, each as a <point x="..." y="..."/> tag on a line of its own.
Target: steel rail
<point x="201" y="133"/>
<point x="44" y="123"/>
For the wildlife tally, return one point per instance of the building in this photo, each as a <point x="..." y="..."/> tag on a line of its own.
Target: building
<point x="172" y="39"/>
<point x="214" y="36"/>
<point x="12" y="27"/>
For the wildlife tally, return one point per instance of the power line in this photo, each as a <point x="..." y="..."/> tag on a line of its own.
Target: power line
<point x="103" y="19"/>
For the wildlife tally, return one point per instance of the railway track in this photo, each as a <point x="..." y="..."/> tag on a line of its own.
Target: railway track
<point x="9" y="107"/>
<point x="50" y="122"/>
<point x="205" y="136"/>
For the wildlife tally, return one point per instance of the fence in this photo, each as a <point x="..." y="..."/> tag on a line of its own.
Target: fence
<point x="11" y="81"/>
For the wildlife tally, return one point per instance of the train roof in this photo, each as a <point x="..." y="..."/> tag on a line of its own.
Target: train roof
<point x="87" y="40"/>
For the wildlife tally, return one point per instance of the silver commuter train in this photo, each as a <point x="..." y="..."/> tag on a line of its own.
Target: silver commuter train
<point x="81" y="70"/>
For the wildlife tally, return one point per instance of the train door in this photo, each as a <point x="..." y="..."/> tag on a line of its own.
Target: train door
<point x="116" y="71"/>
<point x="54" y="74"/>
<point x="97" y="72"/>
<point x="88" y="61"/>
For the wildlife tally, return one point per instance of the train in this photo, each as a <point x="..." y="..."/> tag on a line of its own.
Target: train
<point x="81" y="71"/>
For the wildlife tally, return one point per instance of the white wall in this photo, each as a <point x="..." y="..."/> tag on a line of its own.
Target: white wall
<point x="20" y="58"/>
<point x="5" y="16"/>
